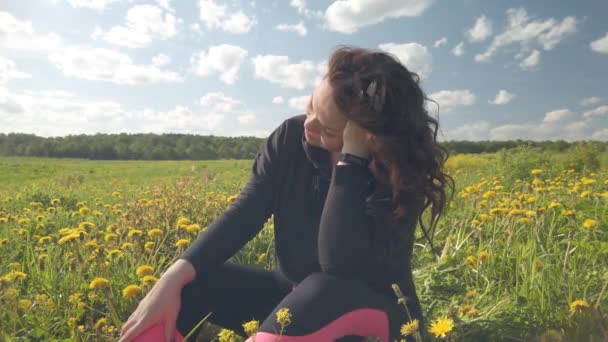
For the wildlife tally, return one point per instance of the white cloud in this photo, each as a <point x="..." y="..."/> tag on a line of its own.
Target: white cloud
<point x="277" y="69"/>
<point x="558" y="116"/>
<point x="458" y="50"/>
<point x="481" y="30"/>
<point x="224" y="59"/>
<point x="8" y="70"/>
<point x="299" y="103"/>
<point x="475" y="131"/>
<point x="196" y="28"/>
<point x="166" y="4"/>
<point x="348" y="16"/>
<point x="98" y="5"/>
<point x="546" y="33"/>
<point x="302" y="8"/>
<point x="278" y="100"/>
<point x="415" y="57"/>
<point x="107" y="65"/>
<point x="18" y="34"/>
<point x="218" y="104"/>
<point x="160" y="60"/>
<point x="298" y="28"/>
<point x="440" y="42"/>
<point x="144" y="24"/>
<point x="597" y="112"/>
<point x="600" y="45"/>
<point x="216" y="16"/>
<point x="530" y="61"/>
<point x="588" y="101"/>
<point x="600" y="135"/>
<point x="448" y="99"/>
<point x="246" y="119"/>
<point x="541" y="131"/>
<point x="503" y="97"/>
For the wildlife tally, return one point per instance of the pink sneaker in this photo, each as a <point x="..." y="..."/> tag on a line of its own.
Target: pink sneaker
<point x="156" y="333"/>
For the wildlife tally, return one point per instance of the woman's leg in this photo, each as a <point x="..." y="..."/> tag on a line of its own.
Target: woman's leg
<point x="328" y="308"/>
<point x="234" y="293"/>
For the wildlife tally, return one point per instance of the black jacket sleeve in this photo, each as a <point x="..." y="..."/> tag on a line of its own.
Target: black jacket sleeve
<point x="344" y="240"/>
<point x="246" y="215"/>
<point x="347" y="228"/>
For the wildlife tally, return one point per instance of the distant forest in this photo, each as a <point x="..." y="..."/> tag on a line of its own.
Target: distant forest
<point x="195" y="147"/>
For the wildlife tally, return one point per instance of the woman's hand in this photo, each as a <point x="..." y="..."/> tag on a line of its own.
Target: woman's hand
<point x="356" y="140"/>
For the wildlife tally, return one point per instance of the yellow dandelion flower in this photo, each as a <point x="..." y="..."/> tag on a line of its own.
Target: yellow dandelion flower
<point x="92" y="244"/>
<point x="144" y="270"/>
<point x="485" y="217"/>
<point x="84" y="211"/>
<point x="578" y="305"/>
<point x="149" y="279"/>
<point x="183" y="221"/>
<point x="25" y="305"/>
<point x="568" y="212"/>
<point x="110" y="236"/>
<point x="116" y="194"/>
<point x="127" y="245"/>
<point x="589" y="223"/>
<point x="585" y="194"/>
<point x="155" y="232"/>
<point x="471" y="260"/>
<point x="537" y="181"/>
<point x="69" y="238"/>
<point x="489" y="194"/>
<point x="72" y="321"/>
<point x="262" y="257"/>
<point x="99" y="283"/>
<point x="475" y="222"/>
<point x="44" y="239"/>
<point x="471" y="294"/>
<point x="55" y="201"/>
<point x="114" y="253"/>
<point x="587" y="181"/>
<point x="193" y="228"/>
<point x="226" y="335"/>
<point x="530" y="213"/>
<point x="251" y="327"/>
<point x="525" y="220"/>
<point x="131" y="291"/>
<point x="149" y="244"/>
<point x="483" y="256"/>
<point x="15" y="275"/>
<point x="102" y="322"/>
<point x="441" y="327"/>
<point x="135" y="233"/>
<point x="231" y="198"/>
<point x="284" y="316"/>
<point x="409" y="328"/>
<point x="536" y="171"/>
<point x="182" y="243"/>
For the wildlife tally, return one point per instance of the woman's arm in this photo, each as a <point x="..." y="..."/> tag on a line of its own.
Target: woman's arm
<point x="246" y="215"/>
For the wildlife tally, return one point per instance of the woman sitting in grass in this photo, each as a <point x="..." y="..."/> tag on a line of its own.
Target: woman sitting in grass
<point x="346" y="183"/>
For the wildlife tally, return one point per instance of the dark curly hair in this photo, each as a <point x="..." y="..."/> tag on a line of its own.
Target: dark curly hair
<point x="373" y="89"/>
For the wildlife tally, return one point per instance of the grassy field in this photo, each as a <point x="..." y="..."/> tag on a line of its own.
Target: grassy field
<point x="524" y="244"/>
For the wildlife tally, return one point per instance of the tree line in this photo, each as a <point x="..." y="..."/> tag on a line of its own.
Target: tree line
<point x="126" y="146"/>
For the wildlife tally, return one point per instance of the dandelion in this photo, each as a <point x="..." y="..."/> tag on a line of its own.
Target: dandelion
<point x="568" y="213"/>
<point x="144" y="270"/>
<point x="183" y="221"/>
<point x="25" y="305"/>
<point x="226" y="335"/>
<point x="589" y="223"/>
<point x="251" y="327"/>
<point x="131" y="291"/>
<point x="536" y="171"/>
<point x="155" y="232"/>
<point x="483" y="256"/>
<point x="149" y="279"/>
<point x="441" y="327"/>
<point x="585" y="194"/>
<point x="44" y="239"/>
<point x="471" y="260"/>
<point x="193" y="228"/>
<point x="101" y="323"/>
<point x="578" y="305"/>
<point x="99" y="283"/>
<point x="471" y="294"/>
<point x="525" y="220"/>
<point x="182" y="243"/>
<point x="84" y="211"/>
<point x="135" y="233"/>
<point x="284" y="316"/>
<point x="409" y="328"/>
<point x="262" y="257"/>
<point x="55" y="201"/>
<point x="231" y="198"/>
<point x="15" y="275"/>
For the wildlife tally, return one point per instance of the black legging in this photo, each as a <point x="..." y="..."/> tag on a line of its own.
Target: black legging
<point x="323" y="307"/>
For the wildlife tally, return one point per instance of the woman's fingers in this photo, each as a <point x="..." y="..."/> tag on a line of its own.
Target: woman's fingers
<point x="137" y="328"/>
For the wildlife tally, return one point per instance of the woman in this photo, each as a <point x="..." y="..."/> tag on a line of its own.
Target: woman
<point x="347" y="184"/>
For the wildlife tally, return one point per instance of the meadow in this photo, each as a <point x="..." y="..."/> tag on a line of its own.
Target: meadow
<point x="524" y="244"/>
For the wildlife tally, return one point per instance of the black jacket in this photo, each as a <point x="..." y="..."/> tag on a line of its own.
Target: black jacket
<point x="322" y="219"/>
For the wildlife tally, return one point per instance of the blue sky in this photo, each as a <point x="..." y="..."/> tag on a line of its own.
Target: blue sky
<point x="498" y="69"/>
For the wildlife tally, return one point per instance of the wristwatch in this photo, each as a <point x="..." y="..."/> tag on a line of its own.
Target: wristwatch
<point x="353" y="159"/>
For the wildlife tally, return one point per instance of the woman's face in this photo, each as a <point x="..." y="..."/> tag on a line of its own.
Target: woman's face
<point x="324" y="123"/>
